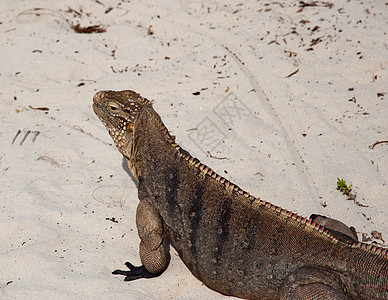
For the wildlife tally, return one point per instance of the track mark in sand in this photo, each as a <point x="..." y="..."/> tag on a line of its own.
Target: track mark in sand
<point x="257" y="89"/>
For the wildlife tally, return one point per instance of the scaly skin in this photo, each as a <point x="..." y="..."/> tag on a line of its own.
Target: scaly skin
<point x="233" y="242"/>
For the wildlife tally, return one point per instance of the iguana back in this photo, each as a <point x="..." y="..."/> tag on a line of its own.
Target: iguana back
<point x="233" y="242"/>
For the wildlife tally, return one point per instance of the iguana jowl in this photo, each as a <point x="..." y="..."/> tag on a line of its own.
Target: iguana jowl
<point x="233" y="242"/>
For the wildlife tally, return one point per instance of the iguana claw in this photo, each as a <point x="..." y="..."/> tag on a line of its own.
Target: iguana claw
<point x="134" y="273"/>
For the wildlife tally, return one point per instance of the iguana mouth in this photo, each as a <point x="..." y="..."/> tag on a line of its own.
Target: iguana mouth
<point x="100" y="111"/>
<point x="99" y="106"/>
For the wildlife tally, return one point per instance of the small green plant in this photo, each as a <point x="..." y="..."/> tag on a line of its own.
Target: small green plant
<point x="347" y="190"/>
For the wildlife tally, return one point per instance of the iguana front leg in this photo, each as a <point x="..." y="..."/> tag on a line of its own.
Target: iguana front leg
<point x="153" y="249"/>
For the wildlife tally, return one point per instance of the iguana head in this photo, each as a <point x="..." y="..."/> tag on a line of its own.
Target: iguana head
<point x="118" y="111"/>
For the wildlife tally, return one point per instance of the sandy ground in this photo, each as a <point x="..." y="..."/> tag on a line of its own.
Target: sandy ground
<point x="281" y="98"/>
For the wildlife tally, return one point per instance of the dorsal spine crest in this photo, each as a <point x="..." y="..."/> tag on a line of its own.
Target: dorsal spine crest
<point x="232" y="187"/>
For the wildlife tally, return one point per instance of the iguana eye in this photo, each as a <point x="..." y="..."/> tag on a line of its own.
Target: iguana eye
<point x="113" y="106"/>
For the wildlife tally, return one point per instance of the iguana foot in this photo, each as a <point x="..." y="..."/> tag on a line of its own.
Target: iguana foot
<point x="335" y="226"/>
<point x="134" y="272"/>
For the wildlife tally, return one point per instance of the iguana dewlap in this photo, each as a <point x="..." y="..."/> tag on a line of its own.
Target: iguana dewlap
<point x="233" y="242"/>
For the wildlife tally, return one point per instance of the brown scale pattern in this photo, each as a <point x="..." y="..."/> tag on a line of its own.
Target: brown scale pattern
<point x="232" y="187"/>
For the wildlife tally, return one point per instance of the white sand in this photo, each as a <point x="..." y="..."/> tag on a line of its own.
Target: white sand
<point x="287" y="143"/>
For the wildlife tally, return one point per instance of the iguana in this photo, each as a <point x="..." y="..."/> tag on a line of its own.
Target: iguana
<point x="234" y="243"/>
